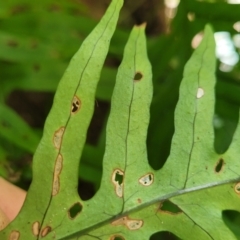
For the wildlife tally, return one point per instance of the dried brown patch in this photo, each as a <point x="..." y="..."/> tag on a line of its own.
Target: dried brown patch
<point x="147" y="179"/>
<point x="117" y="237"/>
<point x="35" y="228"/>
<point x="117" y="180"/>
<point x="14" y="235"/>
<point x="131" y="224"/>
<point x="57" y="138"/>
<point x="46" y="231"/>
<point x="76" y="105"/>
<point x="56" y="177"/>
<point x="237" y="188"/>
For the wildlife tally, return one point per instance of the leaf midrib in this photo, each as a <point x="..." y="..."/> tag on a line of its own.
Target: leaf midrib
<point x="148" y="203"/>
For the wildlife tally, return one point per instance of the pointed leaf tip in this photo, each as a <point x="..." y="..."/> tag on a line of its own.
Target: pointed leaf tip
<point x="208" y="28"/>
<point x="142" y="25"/>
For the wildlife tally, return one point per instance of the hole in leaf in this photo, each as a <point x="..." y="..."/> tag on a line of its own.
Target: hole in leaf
<point x="45" y="231"/>
<point x="118" y="177"/>
<point x="219" y="165"/>
<point x="169" y="207"/>
<point x="200" y="93"/>
<point x="14" y="235"/>
<point x="138" y="76"/>
<point x="75" y="210"/>
<point x="117" y="237"/>
<point x="237" y="188"/>
<point x="146" y="180"/>
<point x="117" y="180"/>
<point x="232" y="219"/>
<point x="164" y="235"/>
<point x="76" y="104"/>
<point x="35" y="228"/>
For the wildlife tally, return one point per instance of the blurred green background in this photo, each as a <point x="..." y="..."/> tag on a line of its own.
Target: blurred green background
<point x="37" y="40"/>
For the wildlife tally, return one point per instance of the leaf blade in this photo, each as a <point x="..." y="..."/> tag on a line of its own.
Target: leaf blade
<point x="56" y="156"/>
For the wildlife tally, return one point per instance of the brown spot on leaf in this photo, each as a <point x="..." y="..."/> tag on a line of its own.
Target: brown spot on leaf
<point x="33" y="43"/>
<point x="57" y="138"/>
<point x="14" y="235"/>
<point x="76" y="105"/>
<point x="36" y="67"/>
<point x="12" y="43"/>
<point x="74" y="210"/>
<point x="131" y="224"/>
<point x="117" y="180"/>
<point x="5" y="124"/>
<point x="45" y="231"/>
<point x="219" y="165"/>
<point x="139" y="200"/>
<point x="36" y="228"/>
<point x="57" y="171"/>
<point x="134" y="224"/>
<point x="138" y="76"/>
<point x="146" y="180"/>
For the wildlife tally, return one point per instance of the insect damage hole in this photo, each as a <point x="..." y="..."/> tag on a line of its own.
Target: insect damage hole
<point x="169" y="207"/>
<point x="74" y="210"/>
<point x="200" y="93"/>
<point x="219" y="165"/>
<point x="117" y="237"/>
<point x="146" y="180"/>
<point x="57" y="138"/>
<point x="76" y="105"/>
<point x="237" y="188"/>
<point x="138" y="76"/>
<point x="117" y="180"/>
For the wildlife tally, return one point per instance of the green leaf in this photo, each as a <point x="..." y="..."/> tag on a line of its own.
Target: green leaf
<point x="187" y="197"/>
<point x="73" y="104"/>
<point x="195" y="179"/>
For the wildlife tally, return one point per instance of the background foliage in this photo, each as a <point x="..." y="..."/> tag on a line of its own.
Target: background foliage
<point x="38" y="39"/>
